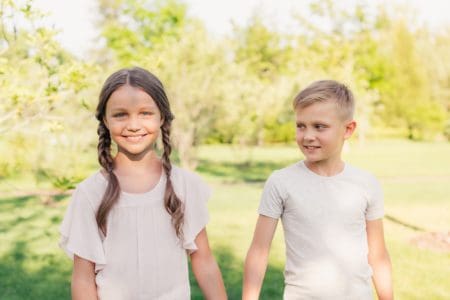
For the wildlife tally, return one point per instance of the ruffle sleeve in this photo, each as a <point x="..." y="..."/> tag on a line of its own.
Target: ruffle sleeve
<point x="196" y="194"/>
<point x="79" y="231"/>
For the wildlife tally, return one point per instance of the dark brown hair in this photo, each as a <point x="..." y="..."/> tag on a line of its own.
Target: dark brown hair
<point x="327" y="90"/>
<point x="143" y="79"/>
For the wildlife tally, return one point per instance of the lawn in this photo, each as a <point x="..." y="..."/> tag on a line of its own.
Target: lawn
<point x="415" y="178"/>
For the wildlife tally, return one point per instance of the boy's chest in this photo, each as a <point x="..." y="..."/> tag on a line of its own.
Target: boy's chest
<point x="324" y="202"/>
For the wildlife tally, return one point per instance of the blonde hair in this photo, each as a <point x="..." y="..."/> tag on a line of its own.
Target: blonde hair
<point x="327" y="90"/>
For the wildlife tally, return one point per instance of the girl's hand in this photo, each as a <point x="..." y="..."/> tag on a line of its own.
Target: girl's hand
<point x="83" y="279"/>
<point x="206" y="270"/>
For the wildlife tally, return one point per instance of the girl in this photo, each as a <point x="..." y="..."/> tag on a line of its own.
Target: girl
<point x="129" y="226"/>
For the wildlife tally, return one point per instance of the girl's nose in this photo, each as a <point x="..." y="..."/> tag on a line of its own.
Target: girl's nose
<point x="133" y="124"/>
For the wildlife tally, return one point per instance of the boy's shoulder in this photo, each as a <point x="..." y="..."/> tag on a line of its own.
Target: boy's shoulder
<point x="286" y="174"/>
<point x="288" y="170"/>
<point x="298" y="170"/>
<point x="357" y="173"/>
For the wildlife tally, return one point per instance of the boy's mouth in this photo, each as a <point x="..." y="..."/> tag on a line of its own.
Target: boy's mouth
<point x="311" y="147"/>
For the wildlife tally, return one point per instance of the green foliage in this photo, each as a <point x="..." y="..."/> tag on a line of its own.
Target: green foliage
<point x="235" y="89"/>
<point x="264" y="53"/>
<point x="407" y="99"/>
<point x="64" y="183"/>
<point x="134" y="28"/>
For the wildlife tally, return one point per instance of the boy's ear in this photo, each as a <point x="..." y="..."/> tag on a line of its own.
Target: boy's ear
<point x="349" y="129"/>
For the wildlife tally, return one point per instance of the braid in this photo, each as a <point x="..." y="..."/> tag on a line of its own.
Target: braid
<point x="104" y="147"/>
<point x="172" y="203"/>
<point x="112" y="192"/>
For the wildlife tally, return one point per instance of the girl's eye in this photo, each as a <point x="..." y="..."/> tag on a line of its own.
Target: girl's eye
<point x="147" y="113"/>
<point x="119" y="115"/>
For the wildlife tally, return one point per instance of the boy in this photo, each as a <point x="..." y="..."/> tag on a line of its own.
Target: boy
<point x="331" y="212"/>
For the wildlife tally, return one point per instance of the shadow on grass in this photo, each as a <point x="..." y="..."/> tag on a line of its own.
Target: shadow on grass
<point x="240" y="172"/>
<point x="27" y="276"/>
<point x="232" y="271"/>
<point x="15" y="202"/>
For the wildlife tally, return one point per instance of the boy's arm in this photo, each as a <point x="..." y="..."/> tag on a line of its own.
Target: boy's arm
<point x="206" y="270"/>
<point x="379" y="260"/>
<point x="257" y="257"/>
<point x="83" y="279"/>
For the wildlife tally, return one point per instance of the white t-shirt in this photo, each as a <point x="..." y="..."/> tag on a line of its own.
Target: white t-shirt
<point x="324" y="228"/>
<point x="141" y="256"/>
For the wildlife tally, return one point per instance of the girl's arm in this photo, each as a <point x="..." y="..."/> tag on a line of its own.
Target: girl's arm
<point x="257" y="257"/>
<point x="379" y="260"/>
<point x="83" y="279"/>
<point x="206" y="270"/>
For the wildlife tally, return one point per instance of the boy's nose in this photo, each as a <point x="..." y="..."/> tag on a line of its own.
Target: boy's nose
<point x="308" y="135"/>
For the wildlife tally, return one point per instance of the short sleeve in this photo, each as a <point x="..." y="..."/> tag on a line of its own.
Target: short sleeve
<point x="196" y="195"/>
<point x="375" y="207"/>
<point x="272" y="203"/>
<point x="79" y="231"/>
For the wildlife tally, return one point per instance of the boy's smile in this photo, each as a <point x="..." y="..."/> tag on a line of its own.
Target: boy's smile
<point x="321" y="133"/>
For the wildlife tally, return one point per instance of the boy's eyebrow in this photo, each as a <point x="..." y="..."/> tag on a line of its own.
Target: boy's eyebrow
<point x="149" y="106"/>
<point x="313" y="122"/>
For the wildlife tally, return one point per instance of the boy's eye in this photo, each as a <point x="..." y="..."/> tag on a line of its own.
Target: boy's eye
<point x="320" y="126"/>
<point x="300" y="126"/>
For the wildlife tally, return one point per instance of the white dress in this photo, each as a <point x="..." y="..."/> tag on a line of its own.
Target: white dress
<point x="141" y="257"/>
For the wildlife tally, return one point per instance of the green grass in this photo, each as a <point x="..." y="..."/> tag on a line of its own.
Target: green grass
<point x="415" y="178"/>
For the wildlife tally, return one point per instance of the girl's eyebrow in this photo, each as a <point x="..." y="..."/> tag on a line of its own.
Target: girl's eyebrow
<point x="150" y="106"/>
<point x="118" y="108"/>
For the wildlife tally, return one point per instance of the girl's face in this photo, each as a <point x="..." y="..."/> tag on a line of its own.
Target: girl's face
<point x="133" y="120"/>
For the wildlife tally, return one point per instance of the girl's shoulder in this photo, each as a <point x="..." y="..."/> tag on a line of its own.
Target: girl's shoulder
<point x="185" y="180"/>
<point x="181" y="175"/>
<point x="91" y="189"/>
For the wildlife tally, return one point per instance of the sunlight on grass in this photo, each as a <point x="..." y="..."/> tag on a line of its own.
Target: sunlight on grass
<point x="414" y="177"/>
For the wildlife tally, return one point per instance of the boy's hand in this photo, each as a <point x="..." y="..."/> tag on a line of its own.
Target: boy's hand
<point x="257" y="256"/>
<point x="379" y="260"/>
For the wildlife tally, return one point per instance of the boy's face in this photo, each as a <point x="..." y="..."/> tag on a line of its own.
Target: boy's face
<point x="321" y="132"/>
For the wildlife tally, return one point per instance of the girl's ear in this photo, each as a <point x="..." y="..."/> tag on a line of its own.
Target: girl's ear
<point x="349" y="129"/>
<point x="105" y="122"/>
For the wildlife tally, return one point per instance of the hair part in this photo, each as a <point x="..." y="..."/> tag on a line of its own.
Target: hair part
<point x="327" y="90"/>
<point x="143" y="79"/>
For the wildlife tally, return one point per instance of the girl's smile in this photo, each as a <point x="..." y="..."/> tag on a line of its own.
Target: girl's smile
<point x="135" y="138"/>
<point x="133" y="120"/>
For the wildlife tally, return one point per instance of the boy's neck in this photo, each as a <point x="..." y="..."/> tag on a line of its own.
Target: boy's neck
<point x="326" y="169"/>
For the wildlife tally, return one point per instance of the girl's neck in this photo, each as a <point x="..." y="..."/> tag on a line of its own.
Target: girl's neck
<point x="138" y="176"/>
<point x="125" y="166"/>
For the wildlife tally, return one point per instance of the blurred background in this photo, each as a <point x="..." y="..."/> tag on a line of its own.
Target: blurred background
<point x="231" y="70"/>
